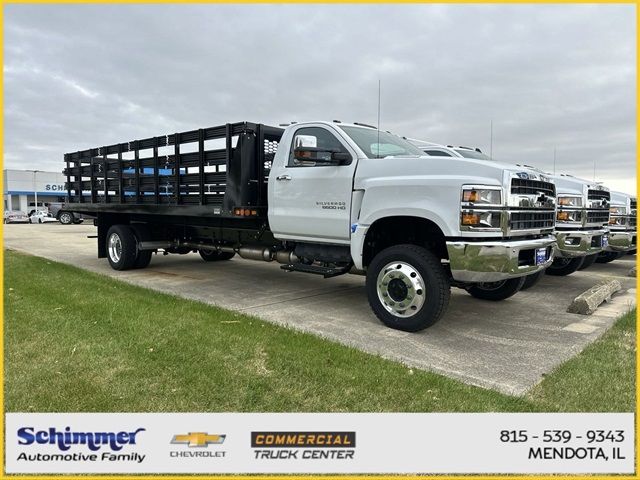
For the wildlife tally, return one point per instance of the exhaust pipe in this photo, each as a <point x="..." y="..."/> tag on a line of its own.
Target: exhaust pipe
<point x="264" y="254"/>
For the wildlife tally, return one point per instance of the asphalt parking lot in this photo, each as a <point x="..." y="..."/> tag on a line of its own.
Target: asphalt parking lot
<point x="507" y="346"/>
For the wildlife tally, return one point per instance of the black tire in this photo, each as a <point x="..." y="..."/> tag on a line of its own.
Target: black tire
<point x="531" y="280"/>
<point x="606" y="257"/>
<point x="496" y="291"/>
<point x="123" y="241"/>
<point x="65" y="218"/>
<point x="215" y="255"/>
<point x="142" y="234"/>
<point x="588" y="261"/>
<point x="426" y="305"/>
<point x="564" y="266"/>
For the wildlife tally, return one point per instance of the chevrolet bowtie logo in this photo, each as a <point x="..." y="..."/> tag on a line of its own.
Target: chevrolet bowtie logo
<point x="198" y="439"/>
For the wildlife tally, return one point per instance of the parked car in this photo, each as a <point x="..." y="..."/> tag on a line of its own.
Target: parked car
<point x="63" y="215"/>
<point x="15" y="216"/>
<point x="42" y="217"/>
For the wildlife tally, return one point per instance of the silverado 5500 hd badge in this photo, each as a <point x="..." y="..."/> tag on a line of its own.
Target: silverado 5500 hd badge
<point x="332" y="205"/>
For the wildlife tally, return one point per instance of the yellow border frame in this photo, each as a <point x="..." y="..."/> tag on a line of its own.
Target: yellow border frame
<point x="297" y="476"/>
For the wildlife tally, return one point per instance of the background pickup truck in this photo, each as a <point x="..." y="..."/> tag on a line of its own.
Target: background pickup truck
<point x="61" y="213"/>
<point x="323" y="198"/>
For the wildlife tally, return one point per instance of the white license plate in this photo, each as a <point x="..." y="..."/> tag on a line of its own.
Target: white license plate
<point x="541" y="255"/>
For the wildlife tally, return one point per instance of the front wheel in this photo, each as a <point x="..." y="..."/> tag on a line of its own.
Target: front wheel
<point x="215" y="255"/>
<point x="531" y="280"/>
<point x="606" y="257"/>
<point x="407" y="287"/>
<point x="588" y="261"/>
<point x="564" y="266"/>
<point x="65" y="218"/>
<point x="496" y="291"/>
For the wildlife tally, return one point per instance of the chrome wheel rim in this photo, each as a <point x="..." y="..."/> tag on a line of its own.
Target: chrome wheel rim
<point x="115" y="247"/>
<point x="66" y="218"/>
<point x="401" y="289"/>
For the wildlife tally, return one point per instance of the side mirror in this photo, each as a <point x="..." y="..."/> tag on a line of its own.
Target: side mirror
<point x="320" y="155"/>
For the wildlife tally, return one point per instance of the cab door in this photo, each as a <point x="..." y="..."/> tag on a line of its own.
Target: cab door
<point x="311" y="200"/>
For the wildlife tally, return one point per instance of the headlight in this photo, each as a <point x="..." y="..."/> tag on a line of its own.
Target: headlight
<point x="570" y="201"/>
<point x="618" y="210"/>
<point x="482" y="196"/>
<point x="569" y="216"/>
<point x="472" y="218"/>
<point x="622" y="221"/>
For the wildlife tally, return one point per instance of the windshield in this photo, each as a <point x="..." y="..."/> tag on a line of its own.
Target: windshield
<point x="377" y="144"/>
<point x="466" y="153"/>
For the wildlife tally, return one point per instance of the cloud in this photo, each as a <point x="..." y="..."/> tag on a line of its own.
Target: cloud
<point x="547" y="76"/>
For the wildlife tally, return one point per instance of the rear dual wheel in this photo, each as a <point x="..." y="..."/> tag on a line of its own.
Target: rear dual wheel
<point x="122" y="247"/>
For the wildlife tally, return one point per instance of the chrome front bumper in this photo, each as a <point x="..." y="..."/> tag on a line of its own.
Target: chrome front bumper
<point x="621" y="241"/>
<point x="497" y="260"/>
<point x="578" y="243"/>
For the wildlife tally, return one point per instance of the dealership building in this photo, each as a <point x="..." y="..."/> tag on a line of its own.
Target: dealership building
<point x="22" y="186"/>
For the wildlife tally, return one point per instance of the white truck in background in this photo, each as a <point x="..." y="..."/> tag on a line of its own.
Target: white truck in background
<point x="622" y="227"/>
<point x="581" y="220"/>
<point x="323" y="198"/>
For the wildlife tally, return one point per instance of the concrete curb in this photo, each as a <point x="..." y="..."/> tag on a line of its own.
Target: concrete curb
<point x="587" y="302"/>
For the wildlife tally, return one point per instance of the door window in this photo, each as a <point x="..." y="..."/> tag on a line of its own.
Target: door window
<point x="318" y="138"/>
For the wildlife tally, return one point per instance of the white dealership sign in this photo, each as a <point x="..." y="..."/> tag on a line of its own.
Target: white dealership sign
<point x="389" y="443"/>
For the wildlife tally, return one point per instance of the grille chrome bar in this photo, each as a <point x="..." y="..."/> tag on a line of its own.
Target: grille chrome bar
<point x="520" y="186"/>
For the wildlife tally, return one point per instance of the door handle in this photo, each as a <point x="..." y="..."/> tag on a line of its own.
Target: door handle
<point x="283" y="177"/>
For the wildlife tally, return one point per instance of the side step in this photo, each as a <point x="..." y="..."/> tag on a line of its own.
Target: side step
<point x="327" y="272"/>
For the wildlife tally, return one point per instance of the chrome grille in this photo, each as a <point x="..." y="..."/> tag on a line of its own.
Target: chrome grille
<point x="532" y="187"/>
<point x="634" y="203"/>
<point x="599" y="217"/>
<point x="599" y="195"/>
<point x="632" y="221"/>
<point x="531" y="220"/>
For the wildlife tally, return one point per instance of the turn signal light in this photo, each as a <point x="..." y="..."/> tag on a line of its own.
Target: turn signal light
<point x="470" y="219"/>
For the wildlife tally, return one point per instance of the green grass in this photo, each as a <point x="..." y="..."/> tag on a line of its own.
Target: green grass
<point x="78" y="341"/>
<point x="601" y="378"/>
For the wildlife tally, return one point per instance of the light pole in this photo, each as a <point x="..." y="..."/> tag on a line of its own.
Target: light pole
<point x="35" y="188"/>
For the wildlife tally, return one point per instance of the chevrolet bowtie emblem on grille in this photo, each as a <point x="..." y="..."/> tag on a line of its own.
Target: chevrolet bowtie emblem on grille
<point x="198" y="439"/>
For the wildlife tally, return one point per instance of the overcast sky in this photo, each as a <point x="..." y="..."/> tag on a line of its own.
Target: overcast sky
<point x="563" y="76"/>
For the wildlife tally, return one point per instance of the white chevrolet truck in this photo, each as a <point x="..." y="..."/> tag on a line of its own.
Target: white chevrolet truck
<point x="622" y="227"/>
<point x="581" y="223"/>
<point x="582" y="214"/>
<point x="323" y="198"/>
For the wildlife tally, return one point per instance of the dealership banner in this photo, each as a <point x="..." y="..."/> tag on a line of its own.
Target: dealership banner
<point x="390" y="443"/>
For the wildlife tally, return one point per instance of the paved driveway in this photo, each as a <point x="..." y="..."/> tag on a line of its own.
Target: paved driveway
<point x="506" y="346"/>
